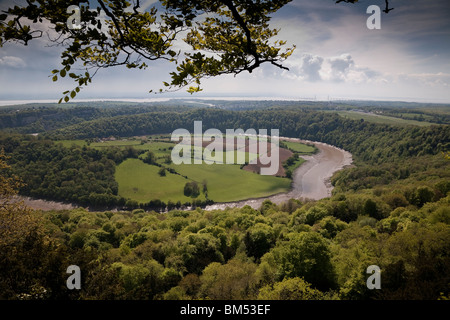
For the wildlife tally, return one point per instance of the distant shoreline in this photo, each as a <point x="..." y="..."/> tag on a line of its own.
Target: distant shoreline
<point x="187" y="99"/>
<point x="12" y="102"/>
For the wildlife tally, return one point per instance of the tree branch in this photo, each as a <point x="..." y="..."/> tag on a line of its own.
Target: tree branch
<point x="250" y="45"/>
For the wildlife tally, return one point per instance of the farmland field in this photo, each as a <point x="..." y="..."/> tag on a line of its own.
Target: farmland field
<point x="142" y="182"/>
<point x="375" y="118"/>
<point x="299" y="147"/>
<point x="229" y="183"/>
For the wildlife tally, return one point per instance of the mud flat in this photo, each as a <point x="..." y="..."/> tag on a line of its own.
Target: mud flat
<point x="44" y="205"/>
<point x="310" y="181"/>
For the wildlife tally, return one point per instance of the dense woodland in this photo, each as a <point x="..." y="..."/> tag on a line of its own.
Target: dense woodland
<point x="385" y="142"/>
<point x="40" y="118"/>
<point x="53" y="172"/>
<point x="391" y="209"/>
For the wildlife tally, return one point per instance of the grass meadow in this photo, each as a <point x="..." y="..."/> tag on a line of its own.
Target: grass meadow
<point x="299" y="147"/>
<point x="225" y="182"/>
<point x="375" y="118"/>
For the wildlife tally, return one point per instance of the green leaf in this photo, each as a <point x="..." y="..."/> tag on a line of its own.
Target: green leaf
<point x="62" y="73"/>
<point x="192" y="90"/>
<point x="3" y="17"/>
<point x="66" y="98"/>
<point x="60" y="100"/>
<point x="55" y="78"/>
<point x="73" y="94"/>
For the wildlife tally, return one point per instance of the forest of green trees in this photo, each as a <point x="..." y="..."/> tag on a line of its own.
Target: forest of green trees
<point x="384" y="141"/>
<point x="390" y="209"/>
<point x="314" y="250"/>
<point x="86" y="175"/>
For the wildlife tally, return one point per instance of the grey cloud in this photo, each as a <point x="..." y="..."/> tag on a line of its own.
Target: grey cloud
<point x="314" y="68"/>
<point x="13" y="62"/>
<point x="311" y="66"/>
<point x="340" y="66"/>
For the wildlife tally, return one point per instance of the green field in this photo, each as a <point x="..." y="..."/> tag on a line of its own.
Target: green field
<point x="69" y="143"/>
<point x="375" y="118"/>
<point x="141" y="182"/>
<point x="229" y="183"/>
<point x="299" y="147"/>
<point x="225" y="182"/>
<point x="413" y="116"/>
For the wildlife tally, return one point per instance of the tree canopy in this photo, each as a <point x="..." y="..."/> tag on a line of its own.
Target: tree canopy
<point x="222" y="37"/>
<point x="225" y="37"/>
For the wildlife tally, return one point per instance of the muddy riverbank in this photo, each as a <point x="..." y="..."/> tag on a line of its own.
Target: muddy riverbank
<point x="310" y="181"/>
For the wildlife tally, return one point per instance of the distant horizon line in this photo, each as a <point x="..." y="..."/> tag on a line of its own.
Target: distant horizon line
<point x="11" y="102"/>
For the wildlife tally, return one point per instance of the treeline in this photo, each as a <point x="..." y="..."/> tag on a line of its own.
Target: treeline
<point x="53" y="172"/>
<point x="43" y="119"/>
<point x="369" y="142"/>
<point x="161" y="206"/>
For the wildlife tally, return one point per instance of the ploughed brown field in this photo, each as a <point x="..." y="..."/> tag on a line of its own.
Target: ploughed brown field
<point x="284" y="155"/>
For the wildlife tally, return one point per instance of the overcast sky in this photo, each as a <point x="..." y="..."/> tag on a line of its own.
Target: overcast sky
<point x="337" y="57"/>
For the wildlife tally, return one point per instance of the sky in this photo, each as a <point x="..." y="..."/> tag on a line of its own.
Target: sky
<point x="337" y="58"/>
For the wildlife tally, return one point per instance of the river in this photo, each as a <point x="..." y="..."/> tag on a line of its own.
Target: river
<point x="309" y="181"/>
